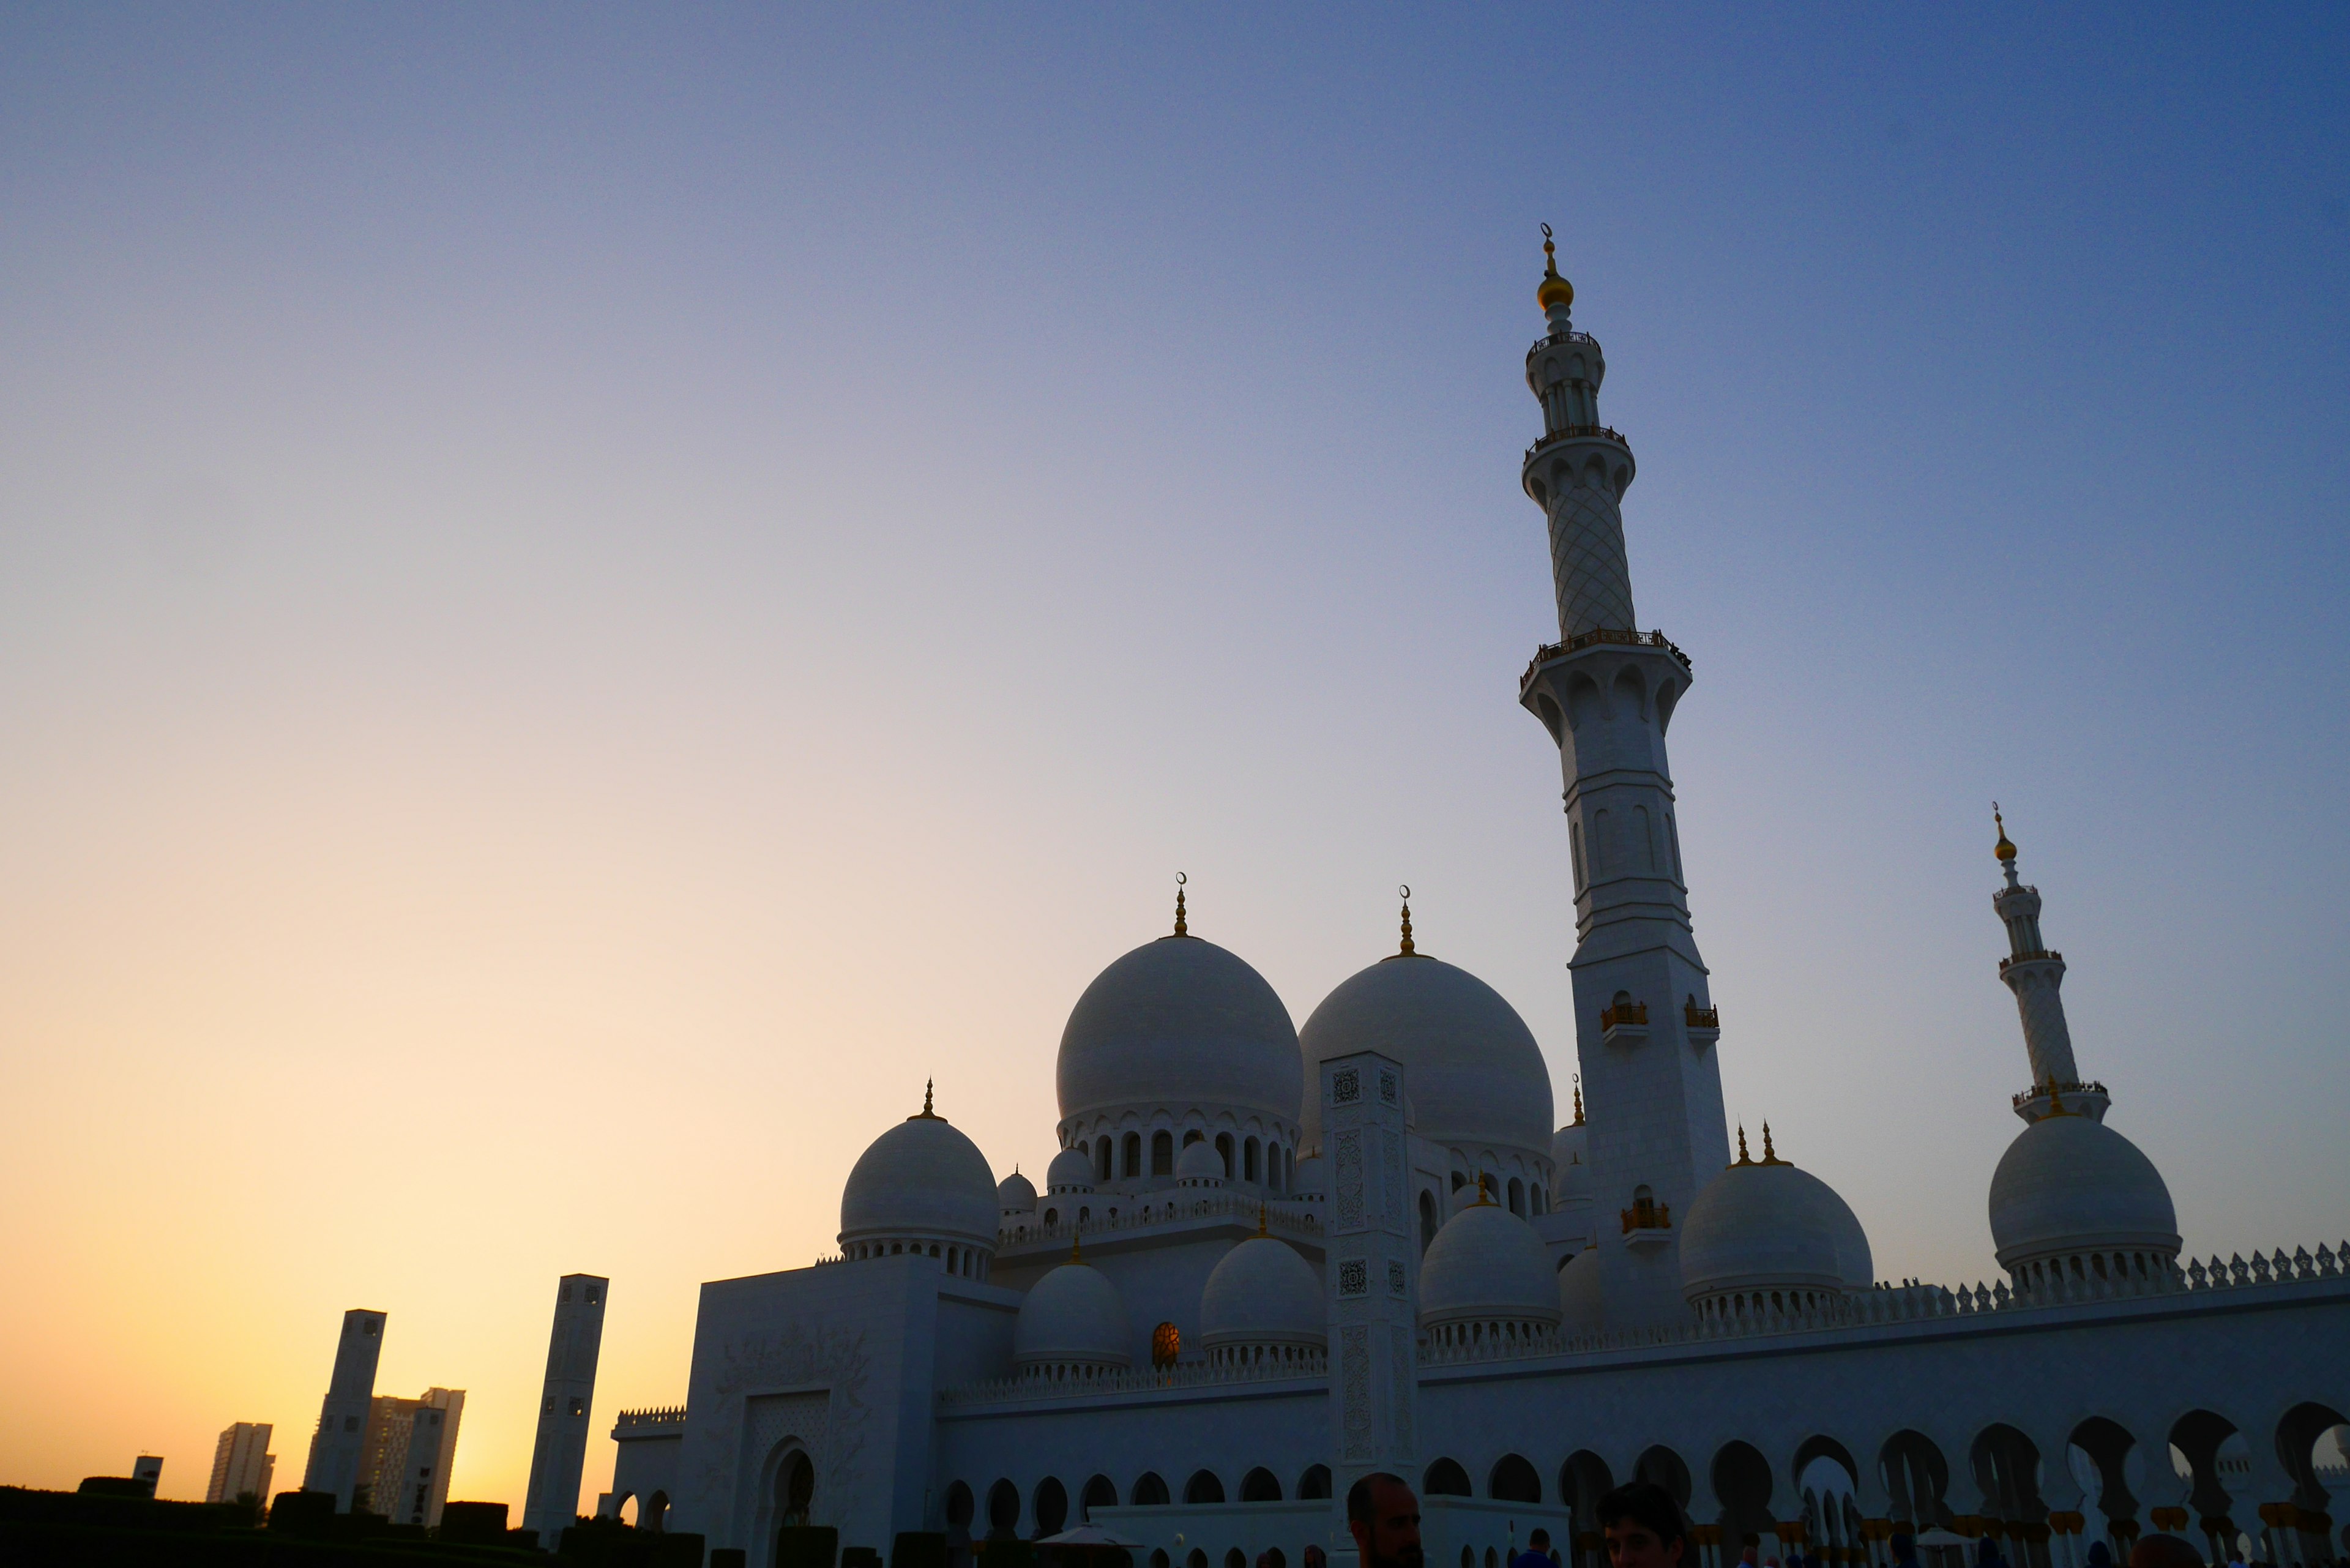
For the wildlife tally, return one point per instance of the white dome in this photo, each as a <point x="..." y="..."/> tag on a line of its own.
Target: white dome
<point x="1016" y="1194"/>
<point x="1771" y="1227"/>
<point x="1486" y="1262"/>
<point x="1179" y="1022"/>
<point x="1471" y="1065"/>
<point x="1261" y="1292"/>
<point x="1070" y="1171"/>
<point x="1309" y="1177"/>
<point x="2068" y="1184"/>
<point x="1581" y="1304"/>
<point x="920" y="1181"/>
<point x="1570" y="1161"/>
<point x="1199" y="1163"/>
<point x="1073" y="1315"/>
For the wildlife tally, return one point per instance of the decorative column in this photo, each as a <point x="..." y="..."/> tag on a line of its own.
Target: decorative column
<point x="1370" y="1281"/>
<point x="1645" y="1026"/>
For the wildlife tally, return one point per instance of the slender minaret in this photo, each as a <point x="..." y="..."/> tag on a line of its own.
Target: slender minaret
<point x="561" y="1451"/>
<point x="336" y="1448"/>
<point x="1644" y="1024"/>
<point x="2037" y="976"/>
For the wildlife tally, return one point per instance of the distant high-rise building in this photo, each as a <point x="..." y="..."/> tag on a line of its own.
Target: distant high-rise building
<point x="404" y="1461"/>
<point x="242" y="1463"/>
<point x="147" y="1470"/>
<point x="561" y="1450"/>
<point x="341" y="1437"/>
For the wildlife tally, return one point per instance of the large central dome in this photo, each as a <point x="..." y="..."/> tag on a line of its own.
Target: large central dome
<point x="1179" y="1022"/>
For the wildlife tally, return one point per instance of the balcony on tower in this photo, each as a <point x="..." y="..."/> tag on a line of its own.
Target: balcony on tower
<point x="1703" y="1024"/>
<point x="1648" y="1223"/>
<point x="1624" y="1022"/>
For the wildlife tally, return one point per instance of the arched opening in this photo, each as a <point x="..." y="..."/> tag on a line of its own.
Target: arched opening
<point x="2096" y="1454"/>
<point x="1236" y="1558"/>
<point x="1102" y="1158"/>
<point x="1582" y="1481"/>
<point x="1134" y="1153"/>
<point x="959" y="1506"/>
<point x="1162" y="1154"/>
<point x="1826" y="1478"/>
<point x="2006" y="1466"/>
<point x="1918" y="1479"/>
<point x="1150" y="1492"/>
<point x="1250" y="1153"/>
<point x="656" y="1513"/>
<point x="1158" y="1558"/>
<point x="1260" y="1485"/>
<point x="1224" y="1150"/>
<point x="1741" y="1483"/>
<point x="1445" y="1478"/>
<point x="1514" y="1479"/>
<point x="1427" y="1219"/>
<point x="1050" y="1508"/>
<point x="1198" y="1559"/>
<point x="1517" y="1198"/>
<point x="1101" y="1492"/>
<point x="626" y="1510"/>
<point x="1661" y="1467"/>
<point x="1314" y="1484"/>
<point x="1002" y="1511"/>
<point x="1204" y="1487"/>
<point x="795" y="1489"/>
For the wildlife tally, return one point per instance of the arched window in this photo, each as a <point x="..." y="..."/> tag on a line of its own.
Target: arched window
<point x="1051" y="1506"/>
<point x="1517" y="1197"/>
<point x="1002" y="1511"/>
<point x="1162" y="1154"/>
<point x="1101" y="1492"/>
<point x="1204" y="1487"/>
<point x="1134" y="1153"/>
<point x="1445" y="1478"/>
<point x="1250" y="1152"/>
<point x="795" y="1488"/>
<point x="1513" y="1480"/>
<point x="1260" y="1485"/>
<point x="1150" y="1492"/>
<point x="1427" y="1219"/>
<point x="1313" y="1486"/>
<point x="1102" y="1155"/>
<point x="959" y="1506"/>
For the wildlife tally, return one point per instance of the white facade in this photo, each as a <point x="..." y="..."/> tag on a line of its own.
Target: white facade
<point x="336" y="1446"/>
<point x="1265" y="1262"/>
<point x="560" y="1450"/>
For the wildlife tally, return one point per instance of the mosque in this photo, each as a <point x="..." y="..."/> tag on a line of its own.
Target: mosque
<point x="1267" y="1260"/>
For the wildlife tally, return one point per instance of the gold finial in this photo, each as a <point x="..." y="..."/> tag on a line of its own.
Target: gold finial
<point x="2002" y="850"/>
<point x="1578" y="1099"/>
<point x="1743" y="1158"/>
<point x="1405" y="890"/>
<point x="1180" y="878"/>
<point x="1483" y="1197"/>
<point x="1260" y="1217"/>
<point x="1554" y="289"/>
<point x="1770" y="1155"/>
<point x="925" y="1114"/>
<point x="2056" y="1105"/>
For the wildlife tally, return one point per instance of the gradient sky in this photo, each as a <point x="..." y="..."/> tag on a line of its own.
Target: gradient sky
<point x="589" y="596"/>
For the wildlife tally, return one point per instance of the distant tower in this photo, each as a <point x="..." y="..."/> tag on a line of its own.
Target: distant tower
<point x="242" y="1463"/>
<point x="1645" y="1024"/>
<point x="2037" y="976"/>
<point x="1372" y="1274"/>
<point x="147" y="1470"/>
<point x="561" y="1452"/>
<point x="336" y="1448"/>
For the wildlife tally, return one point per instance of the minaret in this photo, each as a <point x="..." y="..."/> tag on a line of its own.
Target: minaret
<point x="560" y="1451"/>
<point x="1645" y="1024"/>
<point x="2037" y="976"/>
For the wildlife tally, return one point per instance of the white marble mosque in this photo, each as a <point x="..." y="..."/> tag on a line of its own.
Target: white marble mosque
<point x="1267" y="1260"/>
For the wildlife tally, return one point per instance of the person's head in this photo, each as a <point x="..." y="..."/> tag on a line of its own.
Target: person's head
<point x="1314" y="1556"/>
<point x="2163" y="1551"/>
<point x="1644" y="1528"/>
<point x="1383" y="1516"/>
<point x="1540" y="1541"/>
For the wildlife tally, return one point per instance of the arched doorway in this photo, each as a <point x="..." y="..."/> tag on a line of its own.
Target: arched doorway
<point x="1051" y="1507"/>
<point x="1918" y="1479"/>
<point x="1513" y="1480"/>
<point x="1663" y="1467"/>
<point x="1582" y="1481"/>
<point x="656" y="1513"/>
<point x="1002" y="1511"/>
<point x="1742" y="1482"/>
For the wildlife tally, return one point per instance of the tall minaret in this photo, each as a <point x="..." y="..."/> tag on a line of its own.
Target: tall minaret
<point x="1644" y="1024"/>
<point x="2037" y="976"/>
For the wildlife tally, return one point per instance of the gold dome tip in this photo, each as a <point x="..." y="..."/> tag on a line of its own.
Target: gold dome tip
<point x="2003" y="850"/>
<point x="1553" y="289"/>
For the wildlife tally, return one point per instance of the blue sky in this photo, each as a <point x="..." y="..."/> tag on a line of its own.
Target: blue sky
<point x="578" y="582"/>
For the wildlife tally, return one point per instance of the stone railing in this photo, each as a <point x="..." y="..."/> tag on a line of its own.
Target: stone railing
<point x="1314" y="1369"/>
<point x="1918" y="1303"/>
<point x="1180" y="1204"/>
<point x="1570" y="432"/>
<point x="2039" y="1091"/>
<point x="1582" y="639"/>
<point x="667" y="1415"/>
<point x="1556" y="339"/>
<point x="2038" y="955"/>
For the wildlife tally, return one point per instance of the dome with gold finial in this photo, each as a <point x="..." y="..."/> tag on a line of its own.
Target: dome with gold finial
<point x="2003" y="850"/>
<point x="1553" y="290"/>
<point x="1766" y="1237"/>
<point x="921" y="1187"/>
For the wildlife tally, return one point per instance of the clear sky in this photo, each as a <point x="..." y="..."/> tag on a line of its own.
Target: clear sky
<point x="589" y="596"/>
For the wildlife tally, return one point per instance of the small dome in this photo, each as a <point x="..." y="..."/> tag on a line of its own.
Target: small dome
<point x="1581" y="1307"/>
<point x="1309" y="1177"/>
<point x="1771" y="1227"/>
<point x="1073" y="1315"/>
<point x="1261" y="1292"/>
<point x="1201" y="1164"/>
<point x="2068" y="1184"/>
<point x="1016" y="1194"/>
<point x="1486" y="1262"/>
<point x="1179" y="1022"/>
<point x="1553" y="289"/>
<point x="1070" y="1171"/>
<point x="1474" y="1076"/>
<point x="920" y="1179"/>
<point x="1570" y="1161"/>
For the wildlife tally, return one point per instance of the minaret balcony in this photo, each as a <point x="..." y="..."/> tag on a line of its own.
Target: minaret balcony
<point x="2086" y="1099"/>
<point x="1575" y="432"/>
<point x="1703" y="1024"/>
<point x="1626" y="1023"/>
<point x="1556" y="339"/>
<point x="2041" y="955"/>
<point x="1625" y="637"/>
<point x="1648" y="1225"/>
